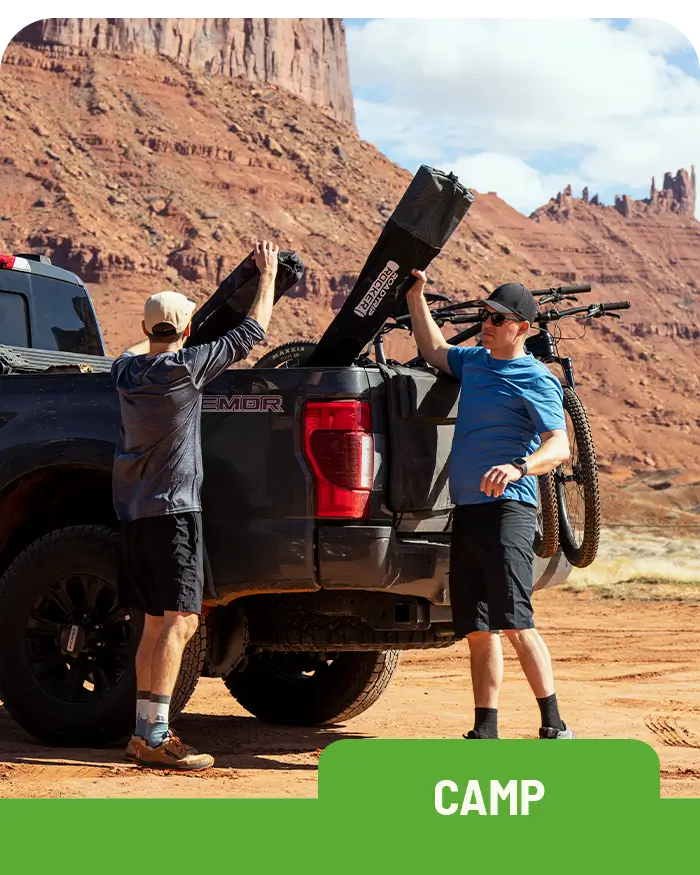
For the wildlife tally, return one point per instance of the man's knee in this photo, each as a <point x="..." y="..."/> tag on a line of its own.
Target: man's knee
<point x="520" y="637"/>
<point x="152" y="626"/>
<point x="182" y="625"/>
<point x="480" y="639"/>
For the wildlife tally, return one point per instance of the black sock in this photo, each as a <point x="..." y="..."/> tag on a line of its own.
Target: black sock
<point x="486" y="722"/>
<point x="549" y="709"/>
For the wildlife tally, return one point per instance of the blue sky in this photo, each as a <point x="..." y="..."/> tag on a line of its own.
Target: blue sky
<point x="524" y="107"/>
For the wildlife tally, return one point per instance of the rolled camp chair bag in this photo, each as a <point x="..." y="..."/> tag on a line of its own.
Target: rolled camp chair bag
<point x="424" y="220"/>
<point x="231" y="302"/>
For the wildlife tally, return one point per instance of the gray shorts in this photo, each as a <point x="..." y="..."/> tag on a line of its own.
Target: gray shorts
<point x="491" y="559"/>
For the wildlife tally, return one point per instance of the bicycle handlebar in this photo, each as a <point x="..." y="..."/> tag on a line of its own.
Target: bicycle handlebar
<point x="615" y="305"/>
<point x="576" y="289"/>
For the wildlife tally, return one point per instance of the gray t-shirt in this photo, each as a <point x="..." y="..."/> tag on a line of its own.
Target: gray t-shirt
<point x="158" y="460"/>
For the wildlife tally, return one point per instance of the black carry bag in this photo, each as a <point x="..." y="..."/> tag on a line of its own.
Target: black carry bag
<point x="423" y="221"/>
<point x="231" y="302"/>
<point x="422" y="416"/>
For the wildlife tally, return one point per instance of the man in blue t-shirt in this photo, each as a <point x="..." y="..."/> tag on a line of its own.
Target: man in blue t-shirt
<point x="510" y="429"/>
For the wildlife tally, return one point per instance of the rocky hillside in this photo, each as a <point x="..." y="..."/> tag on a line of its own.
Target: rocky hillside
<point x="140" y="173"/>
<point x="307" y="56"/>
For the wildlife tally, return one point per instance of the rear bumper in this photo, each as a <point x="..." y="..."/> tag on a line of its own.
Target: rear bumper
<point x="375" y="558"/>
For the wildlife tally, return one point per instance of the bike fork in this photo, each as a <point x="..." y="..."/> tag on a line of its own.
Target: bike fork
<point x="567" y="366"/>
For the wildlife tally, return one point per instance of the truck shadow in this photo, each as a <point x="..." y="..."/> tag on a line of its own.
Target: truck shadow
<point x="236" y="742"/>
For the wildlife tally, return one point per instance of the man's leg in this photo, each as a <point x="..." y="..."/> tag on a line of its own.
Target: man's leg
<point x="468" y="598"/>
<point x="152" y="627"/>
<point x="509" y="561"/>
<point x="177" y="630"/>
<point x="486" y="663"/>
<point x="537" y="665"/>
<point x="163" y="749"/>
<point x="175" y="559"/>
<point x="534" y="659"/>
<point x="133" y="585"/>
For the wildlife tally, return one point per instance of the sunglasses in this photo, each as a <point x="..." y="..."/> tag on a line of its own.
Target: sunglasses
<point x="497" y="319"/>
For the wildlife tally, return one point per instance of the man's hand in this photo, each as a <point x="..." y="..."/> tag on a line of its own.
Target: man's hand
<point x="495" y="480"/>
<point x="418" y="286"/>
<point x="266" y="254"/>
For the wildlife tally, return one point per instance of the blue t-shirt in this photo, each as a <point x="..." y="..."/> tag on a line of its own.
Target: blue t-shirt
<point x="504" y="406"/>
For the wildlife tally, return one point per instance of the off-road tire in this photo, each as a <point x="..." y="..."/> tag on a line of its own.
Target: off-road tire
<point x="580" y="549"/>
<point x="547" y="533"/>
<point x="87" y="550"/>
<point x="270" y="688"/>
<point x="288" y="355"/>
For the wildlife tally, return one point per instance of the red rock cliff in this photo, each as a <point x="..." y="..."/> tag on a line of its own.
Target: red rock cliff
<point x="307" y="56"/>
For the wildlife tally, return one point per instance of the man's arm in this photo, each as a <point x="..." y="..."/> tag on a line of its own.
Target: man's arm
<point x="266" y="255"/>
<point x="553" y="450"/>
<point x="207" y="361"/>
<point x="429" y="340"/>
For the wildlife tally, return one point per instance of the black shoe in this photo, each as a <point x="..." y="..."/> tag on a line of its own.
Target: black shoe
<point x="474" y="734"/>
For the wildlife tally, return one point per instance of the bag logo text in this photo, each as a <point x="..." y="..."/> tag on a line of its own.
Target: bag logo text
<point x="378" y="290"/>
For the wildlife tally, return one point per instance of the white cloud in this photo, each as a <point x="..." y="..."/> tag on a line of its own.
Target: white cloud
<point x="482" y="91"/>
<point x="659" y="36"/>
<point x="513" y="180"/>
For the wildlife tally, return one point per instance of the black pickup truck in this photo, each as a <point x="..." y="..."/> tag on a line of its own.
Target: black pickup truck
<point x="326" y="517"/>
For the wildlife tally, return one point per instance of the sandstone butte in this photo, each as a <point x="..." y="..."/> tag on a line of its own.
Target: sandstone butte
<point x="152" y="157"/>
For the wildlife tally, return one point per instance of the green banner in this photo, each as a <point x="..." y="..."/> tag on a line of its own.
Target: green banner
<point x="388" y="806"/>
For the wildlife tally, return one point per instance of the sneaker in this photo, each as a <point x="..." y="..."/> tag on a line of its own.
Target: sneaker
<point x="171" y="753"/>
<point x="133" y="747"/>
<point x="548" y="732"/>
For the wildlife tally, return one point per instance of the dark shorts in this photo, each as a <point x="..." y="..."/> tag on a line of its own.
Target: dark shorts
<point x="491" y="560"/>
<point x="161" y="563"/>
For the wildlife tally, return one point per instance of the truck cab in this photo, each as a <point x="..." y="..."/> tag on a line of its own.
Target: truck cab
<point x="46" y="307"/>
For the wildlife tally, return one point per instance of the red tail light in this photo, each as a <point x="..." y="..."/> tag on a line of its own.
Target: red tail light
<point x="14" y="262"/>
<point x="339" y="446"/>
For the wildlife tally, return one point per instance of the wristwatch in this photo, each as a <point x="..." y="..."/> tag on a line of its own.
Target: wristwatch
<point x="521" y="464"/>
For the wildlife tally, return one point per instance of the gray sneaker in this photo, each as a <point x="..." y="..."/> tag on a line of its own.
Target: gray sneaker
<point x="548" y="732"/>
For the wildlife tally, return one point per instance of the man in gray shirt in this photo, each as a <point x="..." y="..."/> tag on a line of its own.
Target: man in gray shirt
<point x="156" y="493"/>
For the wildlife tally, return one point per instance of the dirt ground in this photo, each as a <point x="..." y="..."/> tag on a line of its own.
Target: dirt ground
<point x="625" y="669"/>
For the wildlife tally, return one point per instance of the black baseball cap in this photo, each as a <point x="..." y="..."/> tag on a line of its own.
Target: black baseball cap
<point x="515" y="299"/>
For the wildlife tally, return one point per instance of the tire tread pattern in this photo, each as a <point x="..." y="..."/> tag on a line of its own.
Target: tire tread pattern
<point x="547" y="540"/>
<point x="581" y="555"/>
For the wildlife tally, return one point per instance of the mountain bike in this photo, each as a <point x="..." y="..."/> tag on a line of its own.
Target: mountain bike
<point x="569" y="497"/>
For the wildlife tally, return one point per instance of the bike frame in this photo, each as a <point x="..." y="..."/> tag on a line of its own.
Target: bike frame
<point x="541" y="345"/>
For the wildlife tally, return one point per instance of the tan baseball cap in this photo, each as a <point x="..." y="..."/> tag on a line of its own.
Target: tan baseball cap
<point x="168" y="308"/>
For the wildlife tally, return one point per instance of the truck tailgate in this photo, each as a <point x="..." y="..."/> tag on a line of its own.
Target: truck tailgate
<point x="422" y="409"/>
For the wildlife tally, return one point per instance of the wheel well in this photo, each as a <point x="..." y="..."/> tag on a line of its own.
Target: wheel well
<point x="52" y="499"/>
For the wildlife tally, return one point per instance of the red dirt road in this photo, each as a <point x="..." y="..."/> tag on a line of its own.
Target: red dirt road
<point x="624" y="669"/>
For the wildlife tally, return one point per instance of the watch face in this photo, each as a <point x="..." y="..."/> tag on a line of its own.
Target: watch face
<point x="519" y="461"/>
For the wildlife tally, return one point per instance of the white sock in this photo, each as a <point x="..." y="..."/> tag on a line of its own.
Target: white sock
<point x="158" y="717"/>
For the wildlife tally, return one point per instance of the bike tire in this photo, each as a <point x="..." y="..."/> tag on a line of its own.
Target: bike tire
<point x="288" y="355"/>
<point x="547" y="532"/>
<point x="578" y="493"/>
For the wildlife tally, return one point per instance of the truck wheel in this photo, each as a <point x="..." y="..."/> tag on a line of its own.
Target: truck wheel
<point x="67" y="648"/>
<point x="306" y="689"/>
